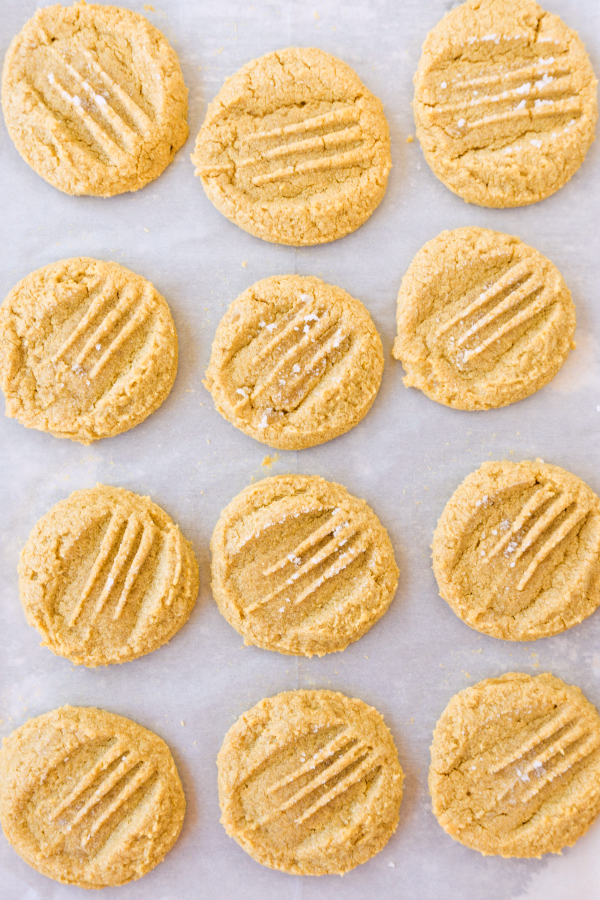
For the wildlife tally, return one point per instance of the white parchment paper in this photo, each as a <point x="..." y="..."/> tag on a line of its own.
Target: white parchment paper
<point x="405" y="458"/>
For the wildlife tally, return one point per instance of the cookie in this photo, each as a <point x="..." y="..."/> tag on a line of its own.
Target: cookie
<point x="515" y="766"/>
<point x="301" y="566"/>
<point x="516" y="551"/>
<point x="310" y="782"/>
<point x="88" y="349"/>
<point x="94" y="99"/>
<point x="505" y="102"/>
<point x="106" y="576"/>
<point x="89" y="798"/>
<point x="483" y="319"/>
<point x="294" y="148"/>
<point x="295" y="362"/>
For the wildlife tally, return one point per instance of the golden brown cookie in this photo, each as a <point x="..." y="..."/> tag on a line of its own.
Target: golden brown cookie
<point x="516" y="552"/>
<point x="89" y="798"/>
<point x="106" y="576"/>
<point x="505" y="102"/>
<point x="295" y="362"/>
<point x="483" y="319"/>
<point x="88" y="349"/>
<point x="294" y="148"/>
<point x="515" y="766"/>
<point x="310" y="782"/>
<point x="301" y="566"/>
<point x="94" y="99"/>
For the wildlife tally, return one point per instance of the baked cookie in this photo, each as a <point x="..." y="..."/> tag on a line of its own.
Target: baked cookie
<point x="94" y="99"/>
<point x="483" y="319"/>
<point x="505" y="102"/>
<point x="301" y="566"/>
<point x="295" y="362"/>
<point x="106" y="576"/>
<point x="88" y="349"/>
<point x="516" y="552"/>
<point x="294" y="148"/>
<point x="89" y="798"/>
<point x="310" y="782"/>
<point x="515" y="766"/>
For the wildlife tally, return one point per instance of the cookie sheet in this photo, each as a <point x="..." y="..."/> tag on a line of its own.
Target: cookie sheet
<point x="405" y="458"/>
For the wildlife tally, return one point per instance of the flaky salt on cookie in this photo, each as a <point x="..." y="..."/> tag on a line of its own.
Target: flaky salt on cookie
<point x="516" y="551"/>
<point x="301" y="566"/>
<point x="295" y="362"/>
<point x="515" y="766"/>
<point x="310" y="782"/>
<point x="94" y="98"/>
<point x="505" y="102"/>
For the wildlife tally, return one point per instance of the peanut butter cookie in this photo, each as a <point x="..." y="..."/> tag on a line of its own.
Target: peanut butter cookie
<point x="88" y="349"/>
<point x="310" y="782"/>
<point x="483" y="319"/>
<point x="301" y="566"/>
<point x="89" y="798"/>
<point x="515" y="766"/>
<point x="295" y="362"/>
<point x="294" y="148"/>
<point x="516" y="552"/>
<point x="106" y="576"/>
<point x="94" y="99"/>
<point x="505" y="102"/>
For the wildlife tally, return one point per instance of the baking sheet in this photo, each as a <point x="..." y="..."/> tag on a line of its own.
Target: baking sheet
<point x="405" y="458"/>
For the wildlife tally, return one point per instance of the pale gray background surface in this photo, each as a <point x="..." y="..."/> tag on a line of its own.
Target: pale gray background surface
<point x="405" y="458"/>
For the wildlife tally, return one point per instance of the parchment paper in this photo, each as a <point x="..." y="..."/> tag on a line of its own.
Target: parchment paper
<point x="405" y="458"/>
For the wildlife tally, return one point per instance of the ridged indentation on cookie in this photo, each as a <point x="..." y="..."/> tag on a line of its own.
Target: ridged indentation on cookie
<point x="547" y="516"/>
<point x="99" y="332"/>
<point x="300" y="566"/>
<point x="101" y="791"/>
<point x="287" y="359"/>
<point x="129" y="576"/>
<point x="516" y="551"/>
<point x="319" y="767"/>
<point x="513" y="777"/>
<point x="549" y="759"/>
<point x="323" y="143"/>
<point x="119" y="541"/>
<point x="105" y="330"/>
<point x="509" y="98"/>
<point x="486" y="322"/>
<point x="91" y="105"/>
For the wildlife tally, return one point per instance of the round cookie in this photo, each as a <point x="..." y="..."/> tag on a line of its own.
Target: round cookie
<point x="89" y="798"/>
<point x="295" y="362"/>
<point x="301" y="566"/>
<point x="94" y="99"/>
<point x="515" y="766"/>
<point x="106" y="576"/>
<point x="88" y="349"/>
<point x="310" y="782"/>
<point x="516" y="551"/>
<point x="505" y="102"/>
<point x="294" y="148"/>
<point x="483" y="319"/>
